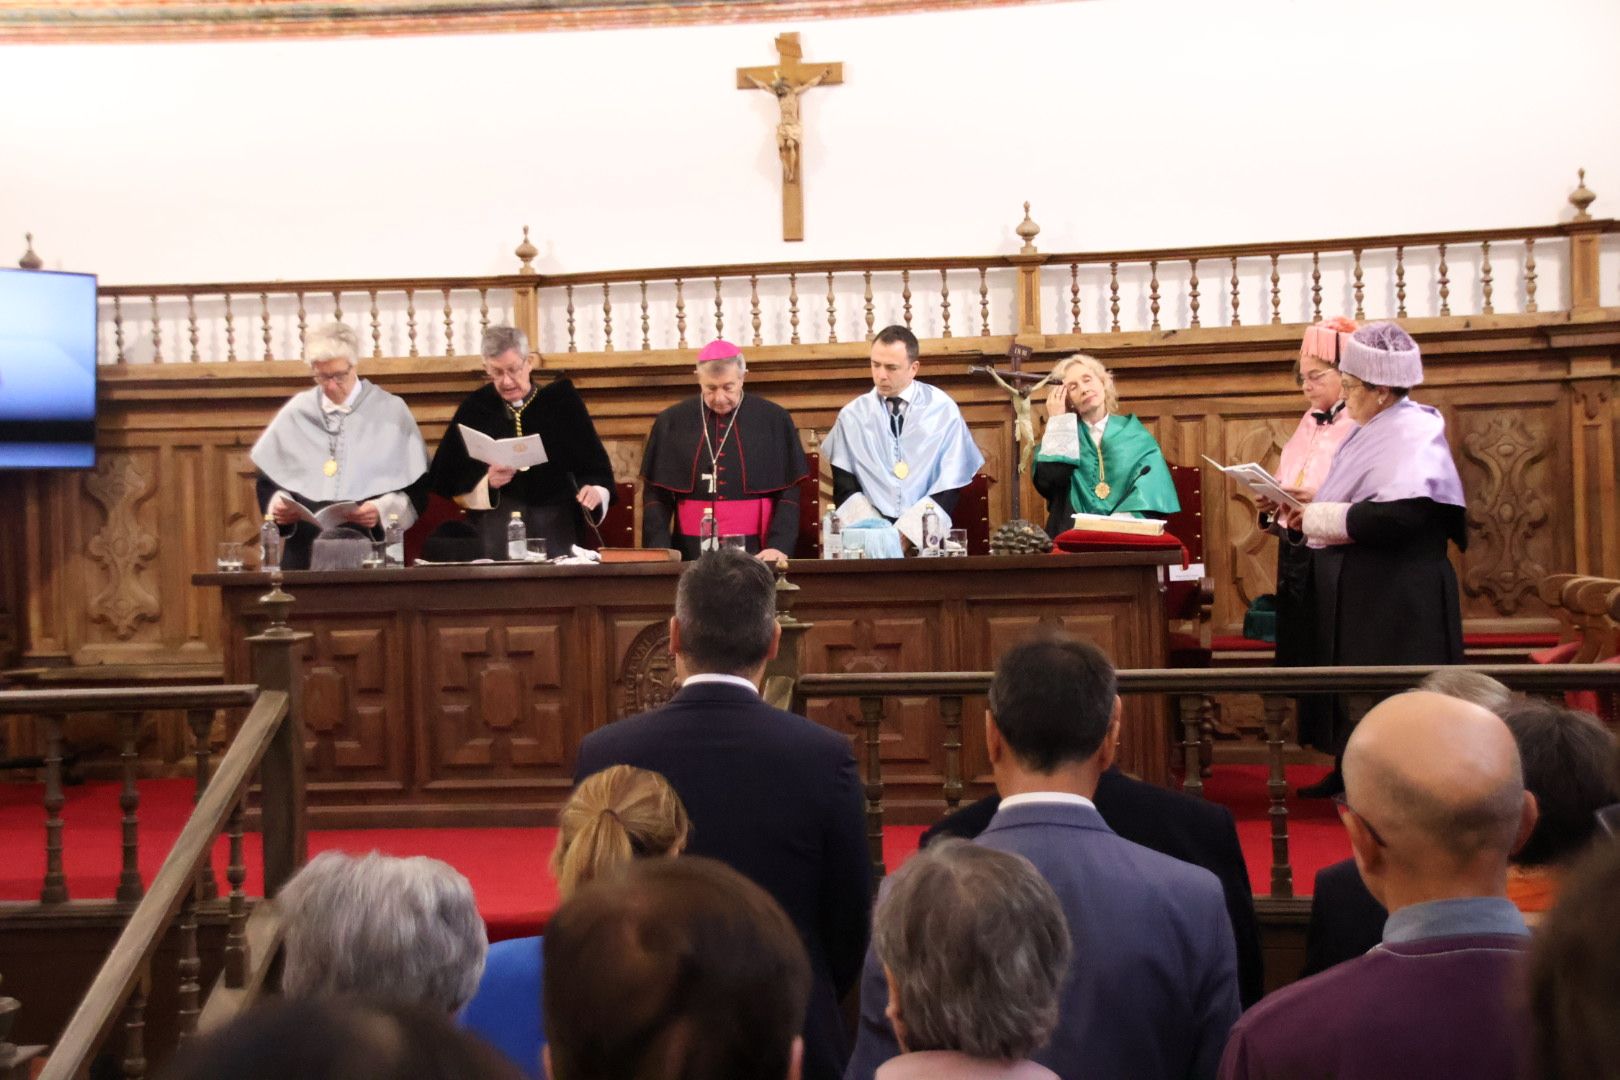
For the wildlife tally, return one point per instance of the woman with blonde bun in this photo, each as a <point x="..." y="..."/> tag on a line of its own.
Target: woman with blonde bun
<point x="614" y="816"/>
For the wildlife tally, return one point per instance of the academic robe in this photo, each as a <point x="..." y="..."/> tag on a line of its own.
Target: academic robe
<point x="757" y="470"/>
<point x="866" y="444"/>
<point x="543" y="494"/>
<point x="1067" y="472"/>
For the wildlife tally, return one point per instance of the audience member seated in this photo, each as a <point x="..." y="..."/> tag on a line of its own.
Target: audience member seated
<point x="1434" y="802"/>
<point x="1190" y="829"/>
<point x="974" y="948"/>
<point x="382" y="928"/>
<point x="279" y="1039"/>
<point x="1153" y="993"/>
<point x="771" y="794"/>
<point x="616" y="815"/>
<point x="674" y="968"/>
<point x="1574" y="969"/>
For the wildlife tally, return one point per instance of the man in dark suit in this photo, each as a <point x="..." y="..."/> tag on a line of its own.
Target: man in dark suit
<point x="770" y="793"/>
<point x="1346" y="919"/>
<point x="1192" y="830"/>
<point x="1152" y="991"/>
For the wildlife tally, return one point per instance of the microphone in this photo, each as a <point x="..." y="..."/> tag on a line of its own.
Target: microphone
<point x="574" y="485"/>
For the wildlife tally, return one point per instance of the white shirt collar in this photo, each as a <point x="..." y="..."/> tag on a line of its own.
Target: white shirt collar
<point x="1060" y="798"/>
<point x="347" y="405"/>
<point x="735" y="680"/>
<point x="1098" y="428"/>
<point x="908" y="395"/>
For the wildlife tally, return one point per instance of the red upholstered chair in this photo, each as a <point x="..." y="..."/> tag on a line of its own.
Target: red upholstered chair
<point x="973" y="513"/>
<point x="618" y="528"/>
<point x="1188" y="601"/>
<point x="438" y="511"/>
<point x="808" y="545"/>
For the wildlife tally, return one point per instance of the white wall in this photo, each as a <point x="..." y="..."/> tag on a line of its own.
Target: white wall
<point x="1127" y="124"/>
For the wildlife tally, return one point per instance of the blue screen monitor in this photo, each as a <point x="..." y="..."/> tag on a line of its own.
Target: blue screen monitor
<point x="47" y="370"/>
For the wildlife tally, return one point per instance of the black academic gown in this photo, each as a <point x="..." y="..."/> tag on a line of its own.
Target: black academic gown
<point x="543" y="494"/>
<point x="761" y="459"/>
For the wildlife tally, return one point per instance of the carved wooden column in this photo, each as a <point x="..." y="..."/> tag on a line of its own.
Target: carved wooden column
<point x="1584" y="235"/>
<point x="1027" y="291"/>
<point x="526" y="298"/>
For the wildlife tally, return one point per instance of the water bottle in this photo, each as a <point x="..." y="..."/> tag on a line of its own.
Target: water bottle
<point x="394" y="542"/>
<point x="832" y="536"/>
<point x="708" y="531"/>
<point x="269" y="544"/>
<point x="932" y="540"/>
<point x="517" y="538"/>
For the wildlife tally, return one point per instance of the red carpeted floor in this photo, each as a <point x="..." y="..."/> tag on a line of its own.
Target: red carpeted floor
<point x="508" y="866"/>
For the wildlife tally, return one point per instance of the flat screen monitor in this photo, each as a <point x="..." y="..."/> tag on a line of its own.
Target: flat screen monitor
<point x="47" y="370"/>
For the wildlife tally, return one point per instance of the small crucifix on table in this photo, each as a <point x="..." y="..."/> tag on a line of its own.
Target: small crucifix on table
<point x="1017" y="382"/>
<point x="787" y="79"/>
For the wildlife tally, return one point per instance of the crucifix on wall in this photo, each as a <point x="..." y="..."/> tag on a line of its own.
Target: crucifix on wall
<point x="787" y="79"/>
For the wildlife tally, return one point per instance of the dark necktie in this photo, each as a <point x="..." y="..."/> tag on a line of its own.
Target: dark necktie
<point x="897" y="422"/>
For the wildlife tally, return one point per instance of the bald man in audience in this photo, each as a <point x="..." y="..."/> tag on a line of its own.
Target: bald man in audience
<point x="1434" y="804"/>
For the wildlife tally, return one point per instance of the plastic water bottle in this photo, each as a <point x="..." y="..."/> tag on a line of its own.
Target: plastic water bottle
<point x="932" y="540"/>
<point x="269" y="544"/>
<point x="517" y="538"/>
<point x="394" y="542"/>
<point x="832" y="536"/>
<point x="708" y="531"/>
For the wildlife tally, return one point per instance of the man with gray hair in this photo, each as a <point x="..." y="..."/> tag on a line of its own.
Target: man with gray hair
<point x="382" y="928"/>
<point x="346" y="440"/>
<point x="1434" y="803"/>
<point x="576" y="478"/>
<point x="770" y="793"/>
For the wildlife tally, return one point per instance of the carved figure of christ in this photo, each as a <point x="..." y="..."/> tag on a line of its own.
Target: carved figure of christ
<point x="786" y="80"/>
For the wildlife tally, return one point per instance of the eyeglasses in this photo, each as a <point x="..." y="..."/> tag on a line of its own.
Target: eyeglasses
<point x="1343" y="803"/>
<point x="1314" y="378"/>
<point x="334" y="378"/>
<point x="497" y="374"/>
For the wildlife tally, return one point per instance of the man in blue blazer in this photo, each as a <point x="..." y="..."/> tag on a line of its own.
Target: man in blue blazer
<point x="1152" y="991"/>
<point x="773" y="795"/>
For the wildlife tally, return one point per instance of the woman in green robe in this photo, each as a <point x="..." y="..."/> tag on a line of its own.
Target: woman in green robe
<point x="1094" y="460"/>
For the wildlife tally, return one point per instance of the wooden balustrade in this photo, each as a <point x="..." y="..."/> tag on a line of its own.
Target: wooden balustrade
<point x="1193" y="687"/>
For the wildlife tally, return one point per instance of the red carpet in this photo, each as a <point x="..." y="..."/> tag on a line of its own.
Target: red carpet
<point x="508" y="866"/>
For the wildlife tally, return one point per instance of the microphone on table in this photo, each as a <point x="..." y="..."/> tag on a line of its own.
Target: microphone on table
<point x="574" y="483"/>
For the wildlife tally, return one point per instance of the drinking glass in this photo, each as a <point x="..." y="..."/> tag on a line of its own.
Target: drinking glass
<point x="230" y="558"/>
<point x="377" y="557"/>
<point x="537" y="549"/>
<point x="735" y="541"/>
<point x="854" y="544"/>
<point x="956" y="543"/>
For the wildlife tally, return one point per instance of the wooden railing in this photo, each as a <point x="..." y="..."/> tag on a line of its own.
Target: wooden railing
<point x="1193" y="687"/>
<point x="266" y="744"/>
<point x="836" y="306"/>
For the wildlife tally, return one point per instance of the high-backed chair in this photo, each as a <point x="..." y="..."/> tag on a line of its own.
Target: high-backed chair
<point x="437" y="511"/>
<point x="1190" y="594"/>
<point x="618" y="528"/>
<point x="808" y="545"/>
<point x="972" y="512"/>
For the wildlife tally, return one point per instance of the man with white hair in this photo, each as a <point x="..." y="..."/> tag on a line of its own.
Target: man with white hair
<point x="347" y="440"/>
<point x="382" y="928"/>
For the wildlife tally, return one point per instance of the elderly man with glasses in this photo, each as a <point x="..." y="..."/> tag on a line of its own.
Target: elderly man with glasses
<point x="345" y="441"/>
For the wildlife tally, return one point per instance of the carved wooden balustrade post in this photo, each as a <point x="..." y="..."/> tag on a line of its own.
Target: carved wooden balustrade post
<point x="782" y="671"/>
<point x="276" y="666"/>
<point x="1027" y="291"/>
<point x="54" y="890"/>
<point x="1196" y="711"/>
<point x="1584" y="236"/>
<point x="130" y="889"/>
<point x="15" y="1061"/>
<point x="1282" y="874"/>
<point x="950" y="714"/>
<point x="872" y="727"/>
<point x="525" y="304"/>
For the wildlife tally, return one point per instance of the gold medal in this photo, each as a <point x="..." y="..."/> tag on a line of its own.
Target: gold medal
<point x="330" y="468"/>
<point x="902" y="470"/>
<point x="1101" y="490"/>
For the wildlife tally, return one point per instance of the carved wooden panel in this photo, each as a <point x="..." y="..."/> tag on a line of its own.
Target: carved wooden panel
<point x="354" y="705"/>
<point x="644" y="670"/>
<point x="125" y="544"/>
<point x="496" y="704"/>
<point x="1504" y="464"/>
<point x="875" y="641"/>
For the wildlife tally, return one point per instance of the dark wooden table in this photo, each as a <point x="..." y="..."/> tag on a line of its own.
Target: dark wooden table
<point x="457" y="695"/>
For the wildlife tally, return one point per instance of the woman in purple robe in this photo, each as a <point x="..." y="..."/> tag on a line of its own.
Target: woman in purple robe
<point x="1381" y="588"/>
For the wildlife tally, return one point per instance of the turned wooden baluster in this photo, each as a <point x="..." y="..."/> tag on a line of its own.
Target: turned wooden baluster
<point x="871" y="311"/>
<point x="607" y="317"/>
<point x="189" y="969"/>
<point x="483" y="310"/>
<point x="1276" y="293"/>
<point x="1193" y="708"/>
<point x="1236" y="320"/>
<point x="191" y="324"/>
<point x="1074" y="298"/>
<point x="1485" y="278"/>
<point x="201" y="723"/>
<point x="1445" y="284"/>
<point x="376" y="326"/>
<point x="1153" y="293"/>
<point x="157" y="335"/>
<point x="1192" y="294"/>
<point x="1113" y="295"/>
<point x="410" y="320"/>
<point x="1360" y="314"/>
<point x="130" y="888"/>
<point x="680" y="312"/>
<point x="944" y="305"/>
<point x="832" y="312"/>
<point x="1282" y="875"/>
<point x="133" y="1066"/>
<point x="449" y="326"/>
<point x="302" y="327"/>
<point x="950" y="713"/>
<point x="236" y="943"/>
<point x="793" y="308"/>
<point x="1529" y="275"/>
<point x="905" y="294"/>
<point x="984" y="302"/>
<point x="753" y="307"/>
<point x="55" y="890"/>
<point x="337" y="305"/>
<point x="646" y="341"/>
<point x="1316" y="286"/>
<point x="872" y="727"/>
<point x="230" y="330"/>
<point x="719" y="310"/>
<point x="1400" y="282"/>
<point x="118" y="326"/>
<point x="264" y="315"/>
<point x="568" y="291"/>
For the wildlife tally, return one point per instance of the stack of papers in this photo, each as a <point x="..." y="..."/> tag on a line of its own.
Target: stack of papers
<point x="1258" y="482"/>
<point x="1119" y="523"/>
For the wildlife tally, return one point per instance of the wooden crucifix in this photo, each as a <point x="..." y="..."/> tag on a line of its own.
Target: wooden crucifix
<point x="787" y="79"/>
<point x="1020" y="386"/>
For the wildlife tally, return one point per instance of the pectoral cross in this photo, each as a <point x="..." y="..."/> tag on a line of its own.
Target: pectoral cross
<point x="787" y="79"/>
<point x="710" y="479"/>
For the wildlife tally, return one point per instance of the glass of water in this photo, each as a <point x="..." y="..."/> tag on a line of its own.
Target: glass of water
<point x="854" y="544"/>
<point x="377" y="557"/>
<point x="735" y="540"/>
<point x="536" y="549"/>
<point x="956" y="543"/>
<point x="230" y="558"/>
